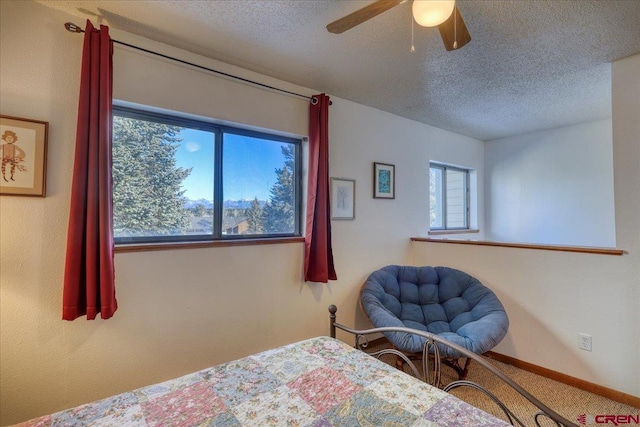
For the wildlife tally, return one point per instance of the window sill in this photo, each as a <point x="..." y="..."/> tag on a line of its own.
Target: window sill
<point x="210" y="244"/>
<point x="579" y="249"/>
<point x="443" y="232"/>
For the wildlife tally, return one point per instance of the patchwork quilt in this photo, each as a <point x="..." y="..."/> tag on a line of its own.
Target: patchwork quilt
<point x="320" y="382"/>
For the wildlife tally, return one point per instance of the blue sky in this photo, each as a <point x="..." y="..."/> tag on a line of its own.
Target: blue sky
<point x="249" y="171"/>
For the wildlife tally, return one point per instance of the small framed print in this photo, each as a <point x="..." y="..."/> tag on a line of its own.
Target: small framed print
<point x="343" y="198"/>
<point x="24" y="156"/>
<point x="384" y="181"/>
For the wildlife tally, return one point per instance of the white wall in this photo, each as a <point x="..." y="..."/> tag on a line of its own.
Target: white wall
<point x="153" y="81"/>
<point x="181" y="310"/>
<point x="552" y="296"/>
<point x="552" y="187"/>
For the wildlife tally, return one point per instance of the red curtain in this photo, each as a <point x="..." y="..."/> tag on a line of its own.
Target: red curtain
<point x="89" y="273"/>
<point x="318" y="257"/>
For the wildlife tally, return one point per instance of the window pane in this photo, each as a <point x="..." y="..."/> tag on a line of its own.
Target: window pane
<point x="258" y="178"/>
<point x="449" y="192"/>
<point x="196" y="154"/>
<point x="179" y="179"/>
<point x="435" y="198"/>
<point x="162" y="179"/>
<point x="456" y="199"/>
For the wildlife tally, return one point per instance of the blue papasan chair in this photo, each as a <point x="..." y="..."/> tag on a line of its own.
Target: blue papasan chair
<point x="440" y="300"/>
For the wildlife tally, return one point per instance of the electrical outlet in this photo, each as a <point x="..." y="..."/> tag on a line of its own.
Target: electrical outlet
<point x="584" y="341"/>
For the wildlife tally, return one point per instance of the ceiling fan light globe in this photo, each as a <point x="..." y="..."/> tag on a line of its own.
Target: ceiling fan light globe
<point x="431" y="13"/>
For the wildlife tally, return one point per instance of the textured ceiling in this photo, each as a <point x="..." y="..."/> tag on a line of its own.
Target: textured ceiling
<point x="530" y="65"/>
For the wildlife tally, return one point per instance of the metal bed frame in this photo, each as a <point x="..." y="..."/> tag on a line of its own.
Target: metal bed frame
<point x="432" y="374"/>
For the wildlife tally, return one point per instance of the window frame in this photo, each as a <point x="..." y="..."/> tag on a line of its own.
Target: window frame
<point x="467" y="196"/>
<point x="219" y="130"/>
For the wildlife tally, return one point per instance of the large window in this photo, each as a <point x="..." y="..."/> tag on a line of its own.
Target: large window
<point x="449" y="197"/>
<point x="185" y="180"/>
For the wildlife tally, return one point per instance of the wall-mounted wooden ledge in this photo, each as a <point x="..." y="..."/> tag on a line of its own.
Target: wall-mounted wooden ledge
<point x="208" y="244"/>
<point x="580" y="249"/>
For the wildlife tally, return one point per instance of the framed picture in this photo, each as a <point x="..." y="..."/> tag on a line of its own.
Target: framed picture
<point x="343" y="198"/>
<point x="384" y="181"/>
<point x="24" y="156"/>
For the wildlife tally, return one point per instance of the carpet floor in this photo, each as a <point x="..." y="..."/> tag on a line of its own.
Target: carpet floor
<point x="568" y="401"/>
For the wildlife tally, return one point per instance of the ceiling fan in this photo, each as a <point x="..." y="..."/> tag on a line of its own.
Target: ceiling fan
<point x="429" y="13"/>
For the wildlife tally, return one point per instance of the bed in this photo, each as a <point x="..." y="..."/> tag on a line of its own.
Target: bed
<point x="318" y="382"/>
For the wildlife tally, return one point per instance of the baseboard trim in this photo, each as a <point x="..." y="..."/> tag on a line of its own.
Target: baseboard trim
<point x="609" y="393"/>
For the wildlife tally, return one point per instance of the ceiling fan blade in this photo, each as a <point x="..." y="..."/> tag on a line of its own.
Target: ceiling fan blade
<point x="454" y="31"/>
<point x="362" y="15"/>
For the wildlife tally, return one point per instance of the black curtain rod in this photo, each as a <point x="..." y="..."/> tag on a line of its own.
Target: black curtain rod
<point x="75" y="29"/>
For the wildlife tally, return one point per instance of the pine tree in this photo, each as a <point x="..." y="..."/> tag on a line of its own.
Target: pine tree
<point x="254" y="217"/>
<point x="199" y="210"/>
<point x="147" y="184"/>
<point x="279" y="212"/>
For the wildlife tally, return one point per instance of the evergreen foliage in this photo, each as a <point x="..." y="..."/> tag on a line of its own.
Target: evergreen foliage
<point x="254" y="217"/>
<point x="199" y="210"/>
<point x="279" y="212"/>
<point x="147" y="185"/>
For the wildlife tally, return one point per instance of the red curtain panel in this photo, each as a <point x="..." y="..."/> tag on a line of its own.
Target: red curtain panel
<point x="318" y="258"/>
<point x="89" y="272"/>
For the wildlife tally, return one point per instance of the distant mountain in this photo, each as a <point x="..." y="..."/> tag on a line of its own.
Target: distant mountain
<point x="228" y="204"/>
<point x="188" y="203"/>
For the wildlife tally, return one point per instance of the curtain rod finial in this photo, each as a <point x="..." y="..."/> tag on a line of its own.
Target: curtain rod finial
<point x="70" y="26"/>
<point x="315" y="100"/>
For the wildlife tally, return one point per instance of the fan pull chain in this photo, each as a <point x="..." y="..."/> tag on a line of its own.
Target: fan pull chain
<point x="413" y="46"/>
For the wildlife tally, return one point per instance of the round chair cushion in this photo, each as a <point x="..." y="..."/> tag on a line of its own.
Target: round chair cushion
<point x="441" y="300"/>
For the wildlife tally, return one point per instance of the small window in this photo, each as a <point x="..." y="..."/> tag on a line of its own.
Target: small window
<point x="449" y="197"/>
<point x="177" y="180"/>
